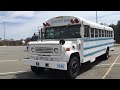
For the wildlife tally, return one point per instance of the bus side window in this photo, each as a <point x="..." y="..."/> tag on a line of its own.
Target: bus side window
<point x="107" y="33"/>
<point x="96" y="32"/>
<point x="100" y="32"/>
<point x="86" y="31"/>
<point x="92" y="32"/>
<point x="111" y="33"/>
<point x="103" y="33"/>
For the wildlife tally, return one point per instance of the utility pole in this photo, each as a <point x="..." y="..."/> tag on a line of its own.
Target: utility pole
<point x="96" y="17"/>
<point x="4" y="30"/>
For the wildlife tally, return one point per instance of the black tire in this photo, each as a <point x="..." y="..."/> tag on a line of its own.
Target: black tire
<point x="106" y="55"/>
<point x="37" y="70"/>
<point x="73" y="68"/>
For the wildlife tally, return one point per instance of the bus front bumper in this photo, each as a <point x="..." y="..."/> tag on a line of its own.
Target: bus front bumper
<point x="46" y="64"/>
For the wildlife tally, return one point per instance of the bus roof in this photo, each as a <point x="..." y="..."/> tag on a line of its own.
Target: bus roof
<point x="65" y="20"/>
<point x="95" y="25"/>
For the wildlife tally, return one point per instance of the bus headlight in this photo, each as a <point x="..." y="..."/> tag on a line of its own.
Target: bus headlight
<point x="32" y="49"/>
<point x="56" y="50"/>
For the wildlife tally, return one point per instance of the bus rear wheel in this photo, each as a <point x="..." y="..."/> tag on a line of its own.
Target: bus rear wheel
<point x="73" y="68"/>
<point x="106" y="55"/>
<point x="37" y="70"/>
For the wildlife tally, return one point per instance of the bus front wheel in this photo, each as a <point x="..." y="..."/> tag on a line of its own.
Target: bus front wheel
<point x="73" y="68"/>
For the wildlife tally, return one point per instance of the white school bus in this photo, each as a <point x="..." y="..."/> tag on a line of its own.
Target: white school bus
<point x="67" y="42"/>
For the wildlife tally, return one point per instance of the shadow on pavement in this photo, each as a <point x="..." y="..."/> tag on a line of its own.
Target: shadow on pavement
<point x="88" y="66"/>
<point x="56" y="74"/>
<point x="47" y="74"/>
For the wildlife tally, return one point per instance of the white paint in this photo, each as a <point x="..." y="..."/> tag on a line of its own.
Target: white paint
<point x="63" y="21"/>
<point x="110" y="68"/>
<point x="42" y="63"/>
<point x="106" y="64"/>
<point x="2" y="46"/>
<point x="102" y="65"/>
<point x="8" y="60"/>
<point x="6" y="73"/>
<point x="117" y="63"/>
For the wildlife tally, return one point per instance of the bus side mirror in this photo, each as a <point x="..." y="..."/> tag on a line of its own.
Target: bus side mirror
<point x="34" y="34"/>
<point x="62" y="41"/>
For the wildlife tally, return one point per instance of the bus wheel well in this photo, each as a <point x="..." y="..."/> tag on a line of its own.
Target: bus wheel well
<point x="76" y="54"/>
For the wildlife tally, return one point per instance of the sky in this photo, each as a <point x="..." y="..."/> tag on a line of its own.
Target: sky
<point x="22" y="24"/>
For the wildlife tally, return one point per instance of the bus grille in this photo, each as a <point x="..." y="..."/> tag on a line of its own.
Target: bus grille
<point x="43" y="50"/>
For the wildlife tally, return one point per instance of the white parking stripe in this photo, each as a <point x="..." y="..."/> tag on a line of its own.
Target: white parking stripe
<point x="117" y="63"/>
<point x="6" y="73"/>
<point x="8" y="60"/>
<point x="2" y="46"/>
<point x="106" y="64"/>
<point x="110" y="68"/>
<point x="102" y="65"/>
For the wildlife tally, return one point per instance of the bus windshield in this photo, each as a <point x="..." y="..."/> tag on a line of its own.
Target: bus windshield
<point x="64" y="32"/>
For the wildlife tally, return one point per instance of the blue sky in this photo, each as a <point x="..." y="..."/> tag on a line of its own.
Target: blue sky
<point x="22" y="24"/>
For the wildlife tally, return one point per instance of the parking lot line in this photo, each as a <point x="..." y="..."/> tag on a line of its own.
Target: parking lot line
<point x="110" y="68"/>
<point x="117" y="63"/>
<point x="106" y="64"/>
<point x="6" y="73"/>
<point x="8" y="60"/>
<point x="101" y="65"/>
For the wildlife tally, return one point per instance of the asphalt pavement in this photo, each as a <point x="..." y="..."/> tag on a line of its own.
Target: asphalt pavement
<point x="11" y="66"/>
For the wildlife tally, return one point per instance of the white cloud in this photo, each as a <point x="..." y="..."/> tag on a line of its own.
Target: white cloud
<point x="22" y="24"/>
<point x="14" y="14"/>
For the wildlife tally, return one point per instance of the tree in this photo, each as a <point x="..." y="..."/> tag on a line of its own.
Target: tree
<point x="0" y="39"/>
<point x="116" y="29"/>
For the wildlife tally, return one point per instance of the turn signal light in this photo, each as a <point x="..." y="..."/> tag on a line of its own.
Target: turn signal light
<point x="67" y="49"/>
<point x="47" y="24"/>
<point x="44" y="24"/>
<point x="72" y="21"/>
<point x="76" y="20"/>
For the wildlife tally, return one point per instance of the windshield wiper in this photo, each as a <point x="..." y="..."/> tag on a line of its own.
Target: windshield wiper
<point x="67" y="26"/>
<point x="64" y="29"/>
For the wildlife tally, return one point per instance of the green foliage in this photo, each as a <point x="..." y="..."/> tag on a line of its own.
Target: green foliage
<point x="11" y="43"/>
<point x="116" y="29"/>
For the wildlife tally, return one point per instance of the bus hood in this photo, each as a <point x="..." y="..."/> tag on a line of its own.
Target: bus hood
<point x="44" y="42"/>
<point x="48" y="47"/>
<point x="49" y="42"/>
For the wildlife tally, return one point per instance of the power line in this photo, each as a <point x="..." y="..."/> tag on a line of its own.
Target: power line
<point x="4" y="30"/>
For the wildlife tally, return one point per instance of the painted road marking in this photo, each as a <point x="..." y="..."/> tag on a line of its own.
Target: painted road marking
<point x="106" y="64"/>
<point x="110" y="68"/>
<point x="6" y="73"/>
<point x="8" y="60"/>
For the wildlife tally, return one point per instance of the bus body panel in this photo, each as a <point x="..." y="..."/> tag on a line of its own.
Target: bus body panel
<point x="88" y="47"/>
<point x="94" y="47"/>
